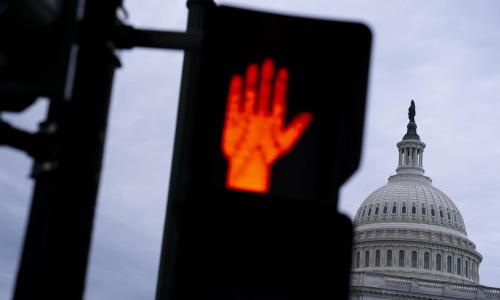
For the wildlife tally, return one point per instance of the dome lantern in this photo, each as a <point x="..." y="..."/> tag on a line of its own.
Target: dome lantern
<point x="411" y="149"/>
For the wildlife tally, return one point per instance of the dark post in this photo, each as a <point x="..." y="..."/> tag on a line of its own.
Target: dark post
<point x="190" y="68"/>
<point x="57" y="241"/>
<point x="239" y="235"/>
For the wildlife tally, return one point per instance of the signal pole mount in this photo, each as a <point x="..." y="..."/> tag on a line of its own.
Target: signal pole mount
<point x="57" y="241"/>
<point x="196" y="19"/>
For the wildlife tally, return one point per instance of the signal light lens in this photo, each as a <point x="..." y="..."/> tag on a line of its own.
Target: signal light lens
<point x="254" y="134"/>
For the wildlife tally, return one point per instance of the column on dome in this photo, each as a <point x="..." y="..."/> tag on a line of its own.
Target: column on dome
<point x="431" y="259"/>
<point x="420" y="158"/>
<point x="417" y="163"/>
<point x="383" y="257"/>
<point x="404" y="156"/>
<point x="473" y="271"/>
<point x="408" y="163"/>
<point x="453" y="263"/>
<point x="476" y="272"/>
<point x="366" y="258"/>
<point x="433" y="266"/>
<point x="466" y="267"/>
<point x="407" y="152"/>
<point x="377" y="257"/>
<point x="410" y="154"/>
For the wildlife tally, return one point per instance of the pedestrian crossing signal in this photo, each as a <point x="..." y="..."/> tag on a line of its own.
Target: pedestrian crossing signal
<point x="255" y="134"/>
<point x="270" y="129"/>
<point x="279" y="105"/>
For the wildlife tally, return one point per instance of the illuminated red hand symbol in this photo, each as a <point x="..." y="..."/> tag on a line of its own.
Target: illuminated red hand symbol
<point x="255" y="135"/>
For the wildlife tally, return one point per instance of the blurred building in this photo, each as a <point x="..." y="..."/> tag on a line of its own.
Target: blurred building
<point x="410" y="240"/>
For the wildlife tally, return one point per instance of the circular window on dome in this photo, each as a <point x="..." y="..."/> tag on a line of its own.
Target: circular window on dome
<point x="385" y="210"/>
<point x="394" y="209"/>
<point x="413" y="210"/>
<point x="403" y="210"/>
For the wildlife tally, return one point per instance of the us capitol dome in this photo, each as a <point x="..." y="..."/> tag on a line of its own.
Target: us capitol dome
<point x="410" y="239"/>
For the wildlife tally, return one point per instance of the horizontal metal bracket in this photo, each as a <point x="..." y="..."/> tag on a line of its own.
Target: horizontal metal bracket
<point x="127" y="37"/>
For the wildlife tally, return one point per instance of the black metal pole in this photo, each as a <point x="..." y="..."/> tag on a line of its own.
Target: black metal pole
<point x="57" y="241"/>
<point x="166" y="272"/>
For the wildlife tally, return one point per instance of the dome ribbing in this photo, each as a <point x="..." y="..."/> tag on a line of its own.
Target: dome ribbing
<point x="410" y="228"/>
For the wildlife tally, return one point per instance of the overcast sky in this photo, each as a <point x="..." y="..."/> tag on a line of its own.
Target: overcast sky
<point x="443" y="54"/>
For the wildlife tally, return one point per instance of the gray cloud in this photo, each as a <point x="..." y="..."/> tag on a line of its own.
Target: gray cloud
<point x="443" y="54"/>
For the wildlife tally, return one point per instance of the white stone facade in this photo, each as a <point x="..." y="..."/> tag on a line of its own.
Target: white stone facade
<point x="418" y="228"/>
<point x="410" y="240"/>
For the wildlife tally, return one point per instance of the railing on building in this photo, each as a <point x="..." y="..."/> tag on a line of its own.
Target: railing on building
<point x="422" y="286"/>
